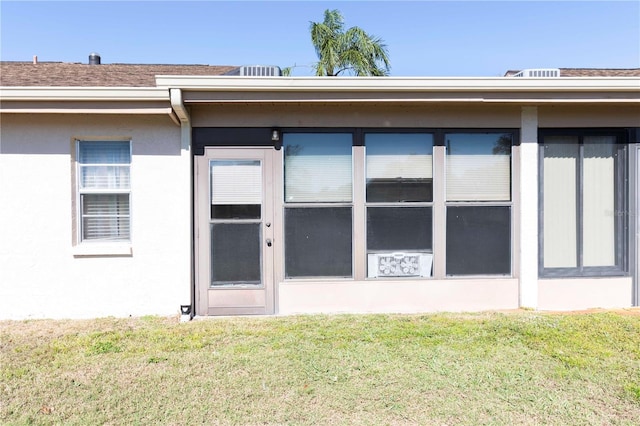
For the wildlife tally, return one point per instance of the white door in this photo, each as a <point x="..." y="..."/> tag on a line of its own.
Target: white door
<point x="234" y="231"/>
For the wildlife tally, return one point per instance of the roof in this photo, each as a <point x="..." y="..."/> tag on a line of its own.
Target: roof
<point x="591" y="72"/>
<point x="63" y="74"/>
<point x="69" y="74"/>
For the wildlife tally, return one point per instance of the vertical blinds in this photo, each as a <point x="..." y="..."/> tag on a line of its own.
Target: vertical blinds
<point x="317" y="167"/>
<point x="599" y="202"/>
<point x="559" y="189"/>
<point x="236" y="182"/>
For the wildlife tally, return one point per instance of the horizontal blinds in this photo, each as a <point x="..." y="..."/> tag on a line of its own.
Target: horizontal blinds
<point x="318" y="167"/>
<point x="478" y="177"/>
<point x="399" y="166"/>
<point x="318" y="178"/>
<point x="399" y="155"/>
<point x="236" y="182"/>
<point x="105" y="217"/>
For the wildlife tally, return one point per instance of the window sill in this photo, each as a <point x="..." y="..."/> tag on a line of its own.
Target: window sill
<point x="102" y="249"/>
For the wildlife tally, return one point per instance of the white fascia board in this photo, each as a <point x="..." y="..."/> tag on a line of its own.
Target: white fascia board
<point x="399" y="84"/>
<point x="83" y="94"/>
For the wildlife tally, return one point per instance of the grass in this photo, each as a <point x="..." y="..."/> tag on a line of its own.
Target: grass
<point x="492" y="368"/>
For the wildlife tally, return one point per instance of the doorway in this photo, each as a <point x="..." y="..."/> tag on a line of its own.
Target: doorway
<point x="234" y="216"/>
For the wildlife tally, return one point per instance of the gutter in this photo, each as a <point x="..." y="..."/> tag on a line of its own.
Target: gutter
<point x="181" y="114"/>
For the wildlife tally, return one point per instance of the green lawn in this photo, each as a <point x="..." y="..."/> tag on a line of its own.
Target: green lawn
<point x="444" y="369"/>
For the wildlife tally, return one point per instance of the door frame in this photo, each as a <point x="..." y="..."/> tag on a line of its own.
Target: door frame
<point x="259" y="304"/>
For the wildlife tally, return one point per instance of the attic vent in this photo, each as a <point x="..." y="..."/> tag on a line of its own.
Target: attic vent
<point x="257" y="71"/>
<point x="539" y="72"/>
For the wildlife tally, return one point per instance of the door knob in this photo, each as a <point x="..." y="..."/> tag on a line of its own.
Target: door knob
<point x="268" y="242"/>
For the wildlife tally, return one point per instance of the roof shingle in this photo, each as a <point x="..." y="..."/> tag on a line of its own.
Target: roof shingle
<point x="57" y="74"/>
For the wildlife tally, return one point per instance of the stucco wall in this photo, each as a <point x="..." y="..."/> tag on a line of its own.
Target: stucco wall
<point x="39" y="274"/>
<point x="353" y="115"/>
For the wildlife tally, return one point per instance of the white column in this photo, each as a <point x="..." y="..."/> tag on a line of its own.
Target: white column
<point x="529" y="207"/>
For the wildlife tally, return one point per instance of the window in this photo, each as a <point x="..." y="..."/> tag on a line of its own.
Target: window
<point x="398" y="203"/>
<point x="478" y="203"/>
<point x="103" y="184"/>
<point x="318" y="204"/>
<point x="399" y="195"/>
<point x="583" y="203"/>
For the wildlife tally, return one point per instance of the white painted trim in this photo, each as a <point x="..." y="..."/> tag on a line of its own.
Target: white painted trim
<point x="139" y="111"/>
<point x="22" y="93"/>
<point x="528" y="194"/>
<point x="399" y="84"/>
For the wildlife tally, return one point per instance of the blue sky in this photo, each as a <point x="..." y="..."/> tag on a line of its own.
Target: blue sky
<point x="424" y="38"/>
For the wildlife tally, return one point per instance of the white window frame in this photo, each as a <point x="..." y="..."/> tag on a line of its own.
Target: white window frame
<point x="97" y="247"/>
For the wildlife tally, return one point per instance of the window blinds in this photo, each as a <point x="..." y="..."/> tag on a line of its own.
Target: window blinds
<point x="318" y="167"/>
<point x="478" y="167"/>
<point x="399" y="155"/>
<point x="236" y="182"/>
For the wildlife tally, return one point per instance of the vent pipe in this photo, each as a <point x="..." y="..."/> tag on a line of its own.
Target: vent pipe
<point x="94" y="59"/>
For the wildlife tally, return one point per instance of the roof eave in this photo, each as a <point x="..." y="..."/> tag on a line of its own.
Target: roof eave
<point x="138" y="94"/>
<point x="399" y="84"/>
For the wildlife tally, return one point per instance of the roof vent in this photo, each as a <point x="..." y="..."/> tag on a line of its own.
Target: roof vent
<point x="257" y="71"/>
<point x="539" y="72"/>
<point x="94" y="59"/>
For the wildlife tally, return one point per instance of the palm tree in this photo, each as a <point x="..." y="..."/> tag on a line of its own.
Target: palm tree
<point x="352" y="51"/>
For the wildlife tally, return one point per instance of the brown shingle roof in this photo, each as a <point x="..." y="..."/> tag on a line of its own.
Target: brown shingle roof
<point x="591" y="72"/>
<point x="106" y="75"/>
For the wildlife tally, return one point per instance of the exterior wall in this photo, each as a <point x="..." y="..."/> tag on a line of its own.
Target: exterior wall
<point x="41" y="272"/>
<point x="589" y="116"/>
<point x="456" y="295"/>
<point x="350" y="115"/>
<point x="584" y="293"/>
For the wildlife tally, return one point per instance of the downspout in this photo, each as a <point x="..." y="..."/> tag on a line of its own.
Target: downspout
<point x="186" y="311"/>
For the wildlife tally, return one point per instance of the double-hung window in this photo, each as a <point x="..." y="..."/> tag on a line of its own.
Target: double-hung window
<point x="478" y="203"/>
<point x="583" y="203"/>
<point x="399" y="204"/>
<point x="318" y="211"/>
<point x="104" y="190"/>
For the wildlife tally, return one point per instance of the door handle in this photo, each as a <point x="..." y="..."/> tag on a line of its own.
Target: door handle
<point x="269" y="242"/>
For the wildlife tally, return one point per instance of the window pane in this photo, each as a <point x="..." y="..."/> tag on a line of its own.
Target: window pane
<point x="399" y="229"/>
<point x="399" y="167"/>
<point x="235" y="253"/>
<point x="318" y="242"/>
<point x="317" y="167"/>
<point x="104" y="177"/>
<point x="104" y="152"/>
<point x="599" y="208"/>
<point x="478" y="240"/>
<point x="236" y="189"/>
<point x="559" y="197"/>
<point x="478" y="167"/>
<point x="105" y="217"/>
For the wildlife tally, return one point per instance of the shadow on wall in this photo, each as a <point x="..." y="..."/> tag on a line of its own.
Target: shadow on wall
<point x="49" y="134"/>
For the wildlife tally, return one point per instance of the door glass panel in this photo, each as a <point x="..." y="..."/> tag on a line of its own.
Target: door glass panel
<point x="236" y="189"/>
<point x="236" y="226"/>
<point x="235" y="253"/>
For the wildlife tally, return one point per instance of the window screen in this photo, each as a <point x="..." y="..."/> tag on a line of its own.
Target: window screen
<point x="318" y="242"/>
